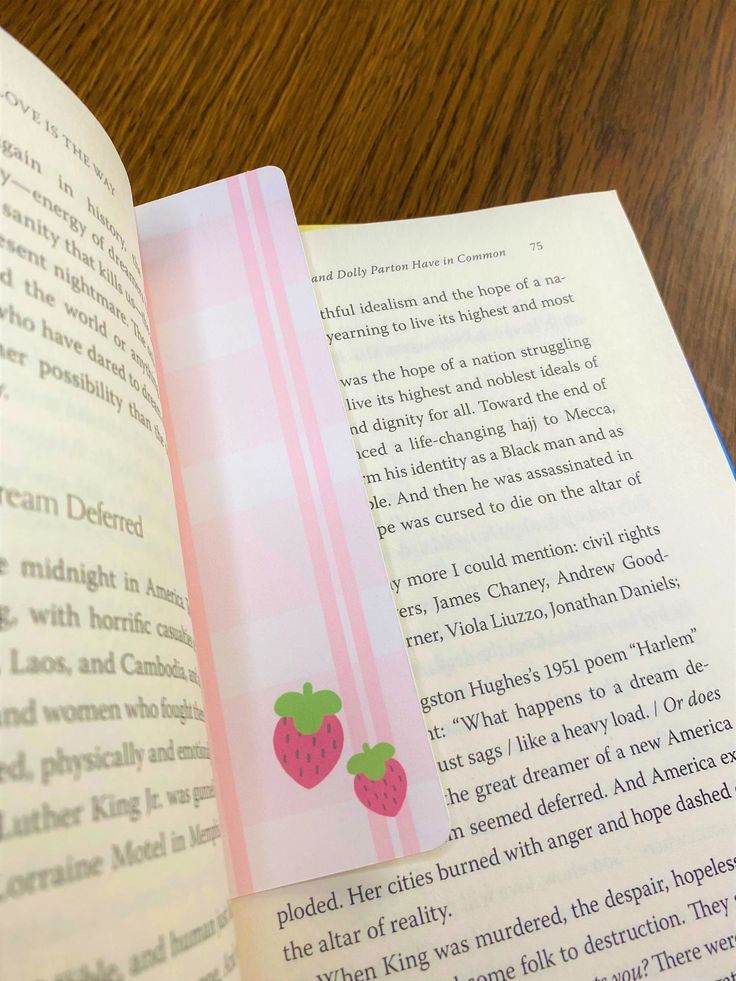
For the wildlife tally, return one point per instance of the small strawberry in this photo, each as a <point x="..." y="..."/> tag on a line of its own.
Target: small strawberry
<point x="380" y="780"/>
<point x="308" y="737"/>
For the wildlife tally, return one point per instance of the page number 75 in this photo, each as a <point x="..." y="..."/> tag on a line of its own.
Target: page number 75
<point x="536" y="246"/>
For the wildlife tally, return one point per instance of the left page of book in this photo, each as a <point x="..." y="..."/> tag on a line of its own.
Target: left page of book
<point x="111" y="861"/>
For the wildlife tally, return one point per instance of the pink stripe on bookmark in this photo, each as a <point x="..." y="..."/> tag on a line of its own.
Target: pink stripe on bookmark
<point x="238" y="865"/>
<point x="326" y="589"/>
<point x="336" y="531"/>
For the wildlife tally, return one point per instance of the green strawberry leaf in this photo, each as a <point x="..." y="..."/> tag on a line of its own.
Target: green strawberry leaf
<point x="372" y="761"/>
<point x="308" y="708"/>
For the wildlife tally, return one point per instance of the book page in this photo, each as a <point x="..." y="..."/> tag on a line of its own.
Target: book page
<point x="111" y="861"/>
<point x="557" y="517"/>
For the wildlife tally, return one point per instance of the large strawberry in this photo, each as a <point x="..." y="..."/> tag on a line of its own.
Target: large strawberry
<point x="380" y="780"/>
<point x="308" y="737"/>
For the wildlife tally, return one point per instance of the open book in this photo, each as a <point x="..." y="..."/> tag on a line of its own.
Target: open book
<point x="556" y="519"/>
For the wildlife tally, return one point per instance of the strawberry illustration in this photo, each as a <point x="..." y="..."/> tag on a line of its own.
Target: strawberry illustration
<point x="380" y="780"/>
<point x="308" y="737"/>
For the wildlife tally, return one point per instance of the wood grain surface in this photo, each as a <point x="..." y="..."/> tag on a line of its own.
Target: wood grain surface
<point x="378" y="110"/>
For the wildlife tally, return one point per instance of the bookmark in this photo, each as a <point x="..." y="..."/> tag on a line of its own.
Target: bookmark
<point x="321" y="755"/>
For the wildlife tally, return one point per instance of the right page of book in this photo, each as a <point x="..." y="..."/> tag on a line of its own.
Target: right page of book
<point x="557" y="517"/>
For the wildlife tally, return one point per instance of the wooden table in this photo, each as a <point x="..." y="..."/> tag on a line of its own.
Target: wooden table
<point x="382" y="109"/>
